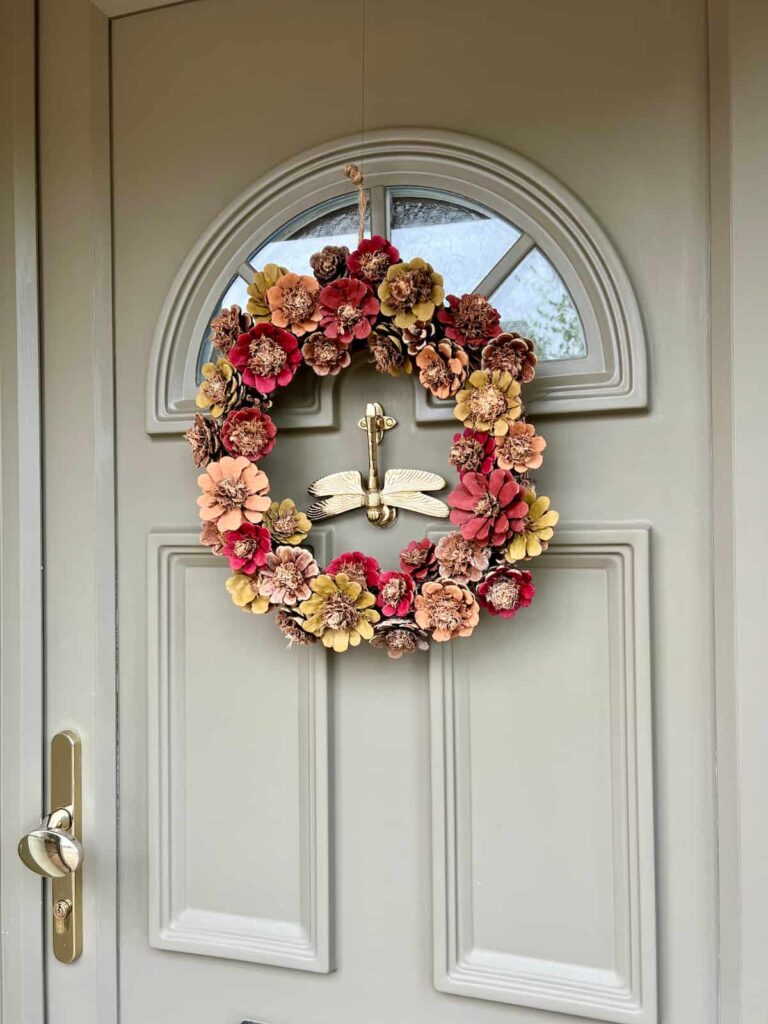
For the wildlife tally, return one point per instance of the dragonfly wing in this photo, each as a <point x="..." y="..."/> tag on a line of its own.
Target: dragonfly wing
<point x="412" y="480"/>
<point x="415" y="501"/>
<point x="335" y="505"/>
<point x="347" y="482"/>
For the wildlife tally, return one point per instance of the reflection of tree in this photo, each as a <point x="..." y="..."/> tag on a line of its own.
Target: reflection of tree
<point x="557" y="329"/>
<point x="553" y="323"/>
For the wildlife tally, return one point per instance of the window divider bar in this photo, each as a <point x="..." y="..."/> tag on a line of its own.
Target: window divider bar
<point x="501" y="271"/>
<point x="379" y="211"/>
<point x="246" y="271"/>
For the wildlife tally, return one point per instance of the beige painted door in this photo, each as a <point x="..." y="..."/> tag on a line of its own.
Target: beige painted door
<point x="467" y="835"/>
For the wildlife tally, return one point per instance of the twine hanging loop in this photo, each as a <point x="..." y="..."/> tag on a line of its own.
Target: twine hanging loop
<point x="355" y="175"/>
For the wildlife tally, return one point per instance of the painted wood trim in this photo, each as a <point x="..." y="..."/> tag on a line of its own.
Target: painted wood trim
<point x="304" y="944"/>
<point x="80" y="635"/>
<point x="22" y="895"/>
<point x="625" y="995"/>
<point x="739" y="195"/>
<point x="723" y="512"/>
<point x="613" y="376"/>
<point x="127" y="8"/>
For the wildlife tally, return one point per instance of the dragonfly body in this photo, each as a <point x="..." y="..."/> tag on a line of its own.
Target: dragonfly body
<point x="342" y="492"/>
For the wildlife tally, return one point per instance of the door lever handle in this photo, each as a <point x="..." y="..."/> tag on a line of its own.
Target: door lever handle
<point x="52" y="850"/>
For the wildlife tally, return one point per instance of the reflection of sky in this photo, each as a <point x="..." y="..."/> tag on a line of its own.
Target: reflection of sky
<point x="463" y="252"/>
<point x="294" y="253"/>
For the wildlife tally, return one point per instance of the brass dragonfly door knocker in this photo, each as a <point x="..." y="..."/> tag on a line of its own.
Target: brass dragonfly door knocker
<point x="342" y="492"/>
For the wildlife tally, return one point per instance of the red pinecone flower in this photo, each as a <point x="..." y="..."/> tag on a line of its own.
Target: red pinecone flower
<point x="348" y="309"/>
<point x="372" y="259"/>
<point x="488" y="508"/>
<point x="504" y="591"/>
<point x="418" y="559"/>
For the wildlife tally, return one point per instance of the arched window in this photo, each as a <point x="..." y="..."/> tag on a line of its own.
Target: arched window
<point x="487" y="220"/>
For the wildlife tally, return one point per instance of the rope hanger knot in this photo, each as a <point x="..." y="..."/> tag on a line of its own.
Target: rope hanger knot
<point x="355" y="175"/>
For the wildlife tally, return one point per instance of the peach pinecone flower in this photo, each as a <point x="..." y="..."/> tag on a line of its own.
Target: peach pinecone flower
<point x="443" y="368"/>
<point x="446" y="610"/>
<point x="294" y="303"/>
<point x="234" y="491"/>
<point x="521" y="449"/>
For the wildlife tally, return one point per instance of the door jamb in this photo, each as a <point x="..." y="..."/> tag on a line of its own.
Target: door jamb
<point x="21" y="580"/>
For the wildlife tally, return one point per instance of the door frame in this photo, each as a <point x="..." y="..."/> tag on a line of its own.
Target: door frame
<point x="737" y="355"/>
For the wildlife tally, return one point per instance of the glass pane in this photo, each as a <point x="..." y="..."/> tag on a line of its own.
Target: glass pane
<point x="332" y="223"/>
<point x="462" y="241"/>
<point x="236" y="294"/>
<point x="535" y="302"/>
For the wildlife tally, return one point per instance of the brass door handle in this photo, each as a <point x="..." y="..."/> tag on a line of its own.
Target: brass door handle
<point x="52" y="850"/>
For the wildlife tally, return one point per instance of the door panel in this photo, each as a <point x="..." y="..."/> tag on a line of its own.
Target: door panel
<point x="543" y="831"/>
<point x="536" y="846"/>
<point x="238" y="864"/>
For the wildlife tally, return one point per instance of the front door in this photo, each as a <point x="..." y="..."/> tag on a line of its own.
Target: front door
<point x="517" y="826"/>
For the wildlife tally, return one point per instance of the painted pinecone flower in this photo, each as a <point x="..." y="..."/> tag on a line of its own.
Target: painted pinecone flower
<point x="417" y="335"/>
<point x="410" y="292"/>
<point x="204" y="440"/>
<point x="329" y="263"/>
<point x="221" y="388"/>
<point x="521" y="449"/>
<point x="487" y="509"/>
<point x="396" y="593"/>
<point x="211" y="538"/>
<point x="348" y="309"/>
<point x="324" y="355"/>
<point x="340" y="612"/>
<point x="286" y="523"/>
<point x="513" y="353"/>
<point x="227" y="327"/>
<point x="294" y="303"/>
<point x="387" y="353"/>
<point x="363" y="569"/>
<point x="505" y="590"/>
<point x="472" y="452"/>
<point x="489" y="402"/>
<point x="537" y="529"/>
<point x="372" y="259"/>
<point x="248" y="432"/>
<point x="460" y="559"/>
<point x="263" y="280"/>
<point x="470" y="320"/>
<point x="291" y="625"/>
<point x="399" y="637"/>
<point x="287" y="575"/>
<point x="446" y="610"/>
<point x="267" y="356"/>
<point x="247" y="548"/>
<point x="419" y="559"/>
<point x="443" y="368"/>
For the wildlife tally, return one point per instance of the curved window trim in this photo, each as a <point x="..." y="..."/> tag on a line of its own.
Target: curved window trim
<point x="613" y="375"/>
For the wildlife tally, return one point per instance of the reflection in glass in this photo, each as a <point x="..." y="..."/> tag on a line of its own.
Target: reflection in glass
<point x="333" y="223"/>
<point x="535" y="302"/>
<point x="462" y="242"/>
<point x="236" y="294"/>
